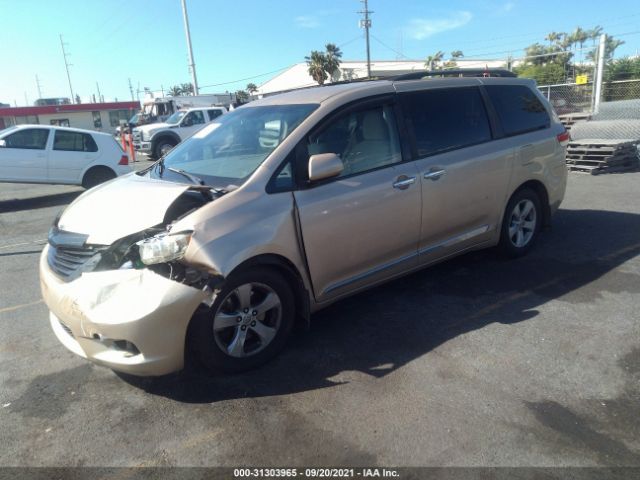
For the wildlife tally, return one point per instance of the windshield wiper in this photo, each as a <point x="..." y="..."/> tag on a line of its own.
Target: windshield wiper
<point x="193" y="178"/>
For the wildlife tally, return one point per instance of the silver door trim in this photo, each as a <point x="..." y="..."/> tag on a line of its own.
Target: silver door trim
<point x="368" y="273"/>
<point x="449" y="242"/>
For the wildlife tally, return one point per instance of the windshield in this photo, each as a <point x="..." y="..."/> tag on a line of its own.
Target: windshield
<point x="176" y="117"/>
<point x="133" y="120"/>
<point x="227" y="152"/>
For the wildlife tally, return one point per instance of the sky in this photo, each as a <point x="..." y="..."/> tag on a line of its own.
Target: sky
<point x="241" y="41"/>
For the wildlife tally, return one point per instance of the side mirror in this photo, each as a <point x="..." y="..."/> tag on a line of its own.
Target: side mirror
<point x="3" y="143"/>
<point x="324" y="165"/>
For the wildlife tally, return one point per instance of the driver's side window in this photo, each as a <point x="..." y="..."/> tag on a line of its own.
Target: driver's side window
<point x="193" y="118"/>
<point x="364" y="139"/>
<point x="30" y="139"/>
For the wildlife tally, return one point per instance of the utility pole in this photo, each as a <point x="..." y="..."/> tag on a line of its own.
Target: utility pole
<point x="366" y="24"/>
<point x="192" y="65"/>
<point x="26" y="100"/>
<point x="67" y="65"/>
<point x="38" y="86"/>
<point x="99" y="96"/>
<point x="131" y="90"/>
<point x="599" y="73"/>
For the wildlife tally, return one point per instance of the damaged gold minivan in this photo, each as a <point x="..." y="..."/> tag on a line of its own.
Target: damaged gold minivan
<point x="293" y="202"/>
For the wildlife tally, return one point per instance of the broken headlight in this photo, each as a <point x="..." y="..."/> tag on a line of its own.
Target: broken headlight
<point x="163" y="248"/>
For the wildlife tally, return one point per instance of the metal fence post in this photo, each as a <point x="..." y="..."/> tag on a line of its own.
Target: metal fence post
<point x="599" y="73"/>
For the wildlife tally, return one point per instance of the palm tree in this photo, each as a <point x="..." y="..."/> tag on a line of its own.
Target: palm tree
<point x="316" y="63"/>
<point x="553" y="37"/>
<point x="251" y="88"/>
<point x="187" y="89"/>
<point x="242" y="96"/>
<point x="580" y="36"/>
<point x="594" y="33"/>
<point x="457" y="54"/>
<point x="433" y="60"/>
<point x="332" y="59"/>
<point x="175" y="91"/>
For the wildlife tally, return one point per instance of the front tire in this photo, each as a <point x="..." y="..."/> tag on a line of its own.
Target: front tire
<point x="163" y="147"/>
<point x="521" y="223"/>
<point x="248" y="323"/>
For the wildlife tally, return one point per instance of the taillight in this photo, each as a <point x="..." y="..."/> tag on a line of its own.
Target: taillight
<point x="564" y="137"/>
<point x="124" y="160"/>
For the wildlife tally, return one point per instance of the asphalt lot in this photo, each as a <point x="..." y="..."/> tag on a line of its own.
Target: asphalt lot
<point x="478" y="361"/>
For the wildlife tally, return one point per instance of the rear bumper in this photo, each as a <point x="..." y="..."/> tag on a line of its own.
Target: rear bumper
<point x="95" y="315"/>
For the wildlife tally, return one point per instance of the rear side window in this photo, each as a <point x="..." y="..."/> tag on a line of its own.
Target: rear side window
<point x="30" y="138"/>
<point x="445" y="120"/>
<point x="74" y="142"/>
<point x="214" y="113"/>
<point x="518" y="109"/>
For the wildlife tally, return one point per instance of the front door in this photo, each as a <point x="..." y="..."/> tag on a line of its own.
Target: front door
<point x="362" y="226"/>
<point x="23" y="156"/>
<point x="191" y="123"/>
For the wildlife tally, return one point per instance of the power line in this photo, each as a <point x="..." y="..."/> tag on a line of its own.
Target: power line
<point x="387" y="46"/>
<point x="246" y="78"/>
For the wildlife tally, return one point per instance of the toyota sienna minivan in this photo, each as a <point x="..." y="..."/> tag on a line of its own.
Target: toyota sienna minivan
<point x="291" y="203"/>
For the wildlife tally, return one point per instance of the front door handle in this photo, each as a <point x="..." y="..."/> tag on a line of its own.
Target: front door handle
<point x="434" y="174"/>
<point x="403" y="182"/>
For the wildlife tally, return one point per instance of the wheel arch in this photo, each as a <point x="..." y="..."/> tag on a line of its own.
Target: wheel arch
<point x="162" y="136"/>
<point x="291" y="275"/>
<point x="92" y="168"/>
<point x="538" y="187"/>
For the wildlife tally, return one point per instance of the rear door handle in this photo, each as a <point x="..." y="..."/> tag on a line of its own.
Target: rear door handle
<point x="434" y="174"/>
<point x="403" y="182"/>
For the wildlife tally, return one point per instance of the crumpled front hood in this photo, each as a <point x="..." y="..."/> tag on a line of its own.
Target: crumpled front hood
<point x="121" y="207"/>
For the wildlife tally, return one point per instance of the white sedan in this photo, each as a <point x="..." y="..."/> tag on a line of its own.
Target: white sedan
<point x="69" y="156"/>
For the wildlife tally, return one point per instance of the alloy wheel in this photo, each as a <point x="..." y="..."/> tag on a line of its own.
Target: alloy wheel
<point x="522" y="223"/>
<point x="248" y="320"/>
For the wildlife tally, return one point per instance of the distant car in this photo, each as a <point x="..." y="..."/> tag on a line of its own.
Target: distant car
<point x="156" y="139"/>
<point x="68" y="156"/>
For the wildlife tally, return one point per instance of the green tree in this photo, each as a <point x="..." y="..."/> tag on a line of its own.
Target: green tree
<point x="432" y="61"/>
<point x="610" y="46"/>
<point x="187" y="89"/>
<point x="316" y="66"/>
<point x="332" y="59"/>
<point x="251" y="88"/>
<point x="457" y="54"/>
<point x="242" y="96"/>
<point x="175" y="91"/>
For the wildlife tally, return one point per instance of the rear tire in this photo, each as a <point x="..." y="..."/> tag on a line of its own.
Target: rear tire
<point x="96" y="176"/>
<point x="521" y="223"/>
<point x="248" y="323"/>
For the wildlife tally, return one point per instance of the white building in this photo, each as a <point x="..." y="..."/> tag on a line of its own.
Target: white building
<point x="297" y="76"/>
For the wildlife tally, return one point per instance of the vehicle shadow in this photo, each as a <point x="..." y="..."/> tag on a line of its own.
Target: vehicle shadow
<point x="381" y="330"/>
<point x="44" y="201"/>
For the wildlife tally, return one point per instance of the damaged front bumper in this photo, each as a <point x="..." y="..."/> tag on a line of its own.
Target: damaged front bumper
<point x="131" y="320"/>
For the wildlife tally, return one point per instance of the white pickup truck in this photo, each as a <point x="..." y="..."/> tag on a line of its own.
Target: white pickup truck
<point x="157" y="139"/>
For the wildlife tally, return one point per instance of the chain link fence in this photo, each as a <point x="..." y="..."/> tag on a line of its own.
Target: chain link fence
<point x="573" y="98"/>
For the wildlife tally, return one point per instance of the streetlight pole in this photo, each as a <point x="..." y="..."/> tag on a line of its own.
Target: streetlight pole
<point x="192" y="65"/>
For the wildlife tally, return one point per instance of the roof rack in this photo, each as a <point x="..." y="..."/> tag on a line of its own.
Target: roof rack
<point x="459" y="72"/>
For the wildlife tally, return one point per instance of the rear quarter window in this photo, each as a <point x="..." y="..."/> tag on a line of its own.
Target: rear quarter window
<point x="518" y="108"/>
